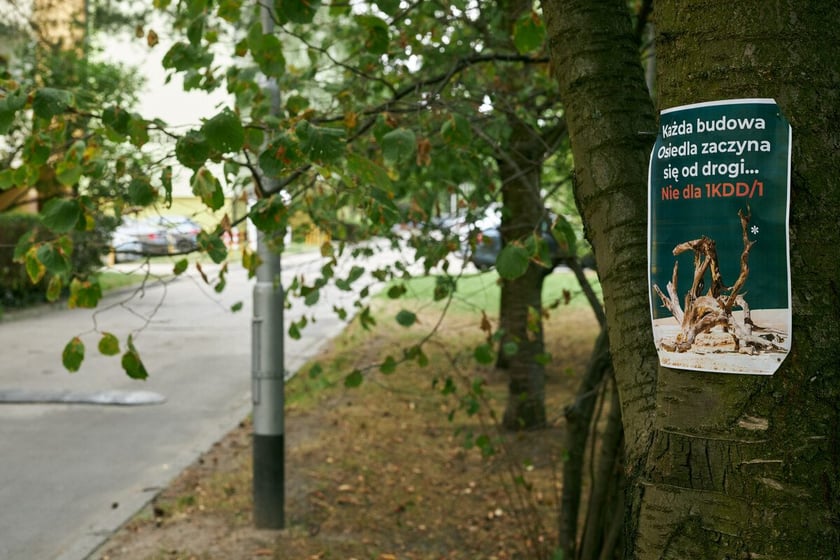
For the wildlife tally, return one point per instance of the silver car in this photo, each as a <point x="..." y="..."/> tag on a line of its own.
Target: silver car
<point x="181" y="231"/>
<point x="134" y="239"/>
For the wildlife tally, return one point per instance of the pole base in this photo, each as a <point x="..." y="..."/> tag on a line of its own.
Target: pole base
<point x="269" y="479"/>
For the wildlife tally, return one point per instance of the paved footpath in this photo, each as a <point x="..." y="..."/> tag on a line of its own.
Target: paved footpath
<point x="70" y="474"/>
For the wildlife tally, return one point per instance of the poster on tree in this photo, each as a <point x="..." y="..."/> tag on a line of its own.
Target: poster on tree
<point x="718" y="246"/>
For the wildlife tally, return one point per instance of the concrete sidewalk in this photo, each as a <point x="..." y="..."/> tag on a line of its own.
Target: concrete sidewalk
<point x="71" y="474"/>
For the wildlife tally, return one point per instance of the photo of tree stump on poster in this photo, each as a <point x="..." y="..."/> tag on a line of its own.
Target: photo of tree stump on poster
<point x="718" y="237"/>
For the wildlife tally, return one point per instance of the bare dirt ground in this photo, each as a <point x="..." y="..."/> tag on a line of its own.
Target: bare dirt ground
<point x="381" y="471"/>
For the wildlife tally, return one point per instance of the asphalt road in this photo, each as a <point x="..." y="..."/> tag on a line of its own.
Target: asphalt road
<point x="70" y="474"/>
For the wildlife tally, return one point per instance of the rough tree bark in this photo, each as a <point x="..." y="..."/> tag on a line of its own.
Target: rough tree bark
<point x="521" y="298"/>
<point x="719" y="466"/>
<point x="520" y="160"/>
<point x="611" y="125"/>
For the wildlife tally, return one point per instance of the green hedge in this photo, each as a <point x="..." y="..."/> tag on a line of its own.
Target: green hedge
<point x="16" y="290"/>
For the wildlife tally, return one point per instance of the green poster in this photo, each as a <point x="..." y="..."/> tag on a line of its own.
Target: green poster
<point x="718" y="199"/>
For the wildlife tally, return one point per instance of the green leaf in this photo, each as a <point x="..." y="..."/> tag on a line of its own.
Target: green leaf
<point x="236" y="307"/>
<point x="564" y="234"/>
<point x="321" y="145"/>
<point x="543" y="358"/>
<point x="399" y="146"/>
<point x="37" y="150"/>
<point x="196" y="30"/>
<point x="390" y="7"/>
<point x="376" y="30"/>
<point x="220" y="286"/>
<point x="512" y="261"/>
<point x="406" y="318"/>
<point x="9" y="106"/>
<point x="444" y="286"/>
<point x="224" y="132"/>
<point x="366" y="172"/>
<point x="213" y="246"/>
<point x="73" y="354"/>
<point x="296" y="104"/>
<point x="267" y="51"/>
<point x="254" y="139"/>
<point x="141" y="192"/>
<point x="34" y="267"/>
<point x="138" y="130"/>
<point x="294" y="332"/>
<point x="422" y="358"/>
<point x="316" y="370"/>
<point x="206" y="187"/>
<point x="456" y="130"/>
<point x="269" y="215"/>
<point x="117" y="119"/>
<point x="49" y="102"/>
<point x="192" y="149"/>
<point x="484" y="354"/>
<point x="528" y="33"/>
<point x="366" y="318"/>
<point x="7" y="179"/>
<point x="396" y="291"/>
<point x="230" y="10"/>
<point x="312" y="296"/>
<point x="354" y="379"/>
<point x="54" y="288"/>
<point x="24" y="244"/>
<point x="180" y="267"/>
<point x="355" y="273"/>
<point x="250" y="262"/>
<point x="132" y="364"/>
<point x="510" y="348"/>
<point x="68" y="172"/>
<point x="61" y="215"/>
<point x="382" y="126"/>
<point x="283" y="154"/>
<point x="109" y="345"/>
<point x="484" y="444"/>
<point x="166" y="182"/>
<point x="196" y="7"/>
<point x="26" y="175"/>
<point x="389" y="366"/>
<point x="84" y="294"/>
<point x="54" y="257"/>
<point x="184" y="56"/>
<point x="297" y="11"/>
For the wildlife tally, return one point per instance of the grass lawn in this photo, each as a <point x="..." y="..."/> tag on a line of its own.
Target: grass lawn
<point x="409" y="465"/>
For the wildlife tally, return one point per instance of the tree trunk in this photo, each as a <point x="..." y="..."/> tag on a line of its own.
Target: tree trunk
<point x="611" y="126"/>
<point x="720" y="466"/>
<point x="520" y="313"/>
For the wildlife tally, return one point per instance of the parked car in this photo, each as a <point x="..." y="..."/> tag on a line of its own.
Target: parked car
<point x="182" y="232"/>
<point x="488" y="245"/>
<point x="134" y="239"/>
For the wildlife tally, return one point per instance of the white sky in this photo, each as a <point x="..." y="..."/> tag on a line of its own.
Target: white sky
<point x="158" y="99"/>
<point x="167" y="101"/>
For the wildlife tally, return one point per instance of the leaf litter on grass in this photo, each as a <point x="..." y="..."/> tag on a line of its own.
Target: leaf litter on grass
<point x="390" y="469"/>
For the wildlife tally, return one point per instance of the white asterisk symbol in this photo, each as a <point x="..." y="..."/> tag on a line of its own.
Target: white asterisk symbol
<point x="754" y="230"/>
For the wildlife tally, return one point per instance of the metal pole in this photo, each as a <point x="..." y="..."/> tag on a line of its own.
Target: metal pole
<point x="267" y="391"/>
<point x="267" y="371"/>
